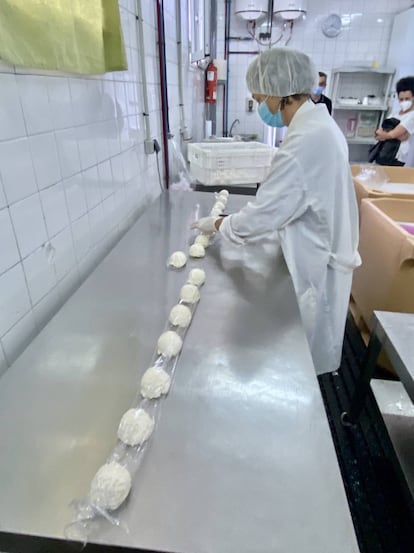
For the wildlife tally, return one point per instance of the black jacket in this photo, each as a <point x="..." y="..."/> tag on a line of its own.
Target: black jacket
<point x="385" y="152"/>
<point x="324" y="100"/>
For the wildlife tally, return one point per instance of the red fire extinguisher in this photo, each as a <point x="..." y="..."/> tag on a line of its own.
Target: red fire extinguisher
<point x="211" y="83"/>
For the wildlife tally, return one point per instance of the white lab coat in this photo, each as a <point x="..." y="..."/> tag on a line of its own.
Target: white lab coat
<point x="407" y="121"/>
<point x="309" y="199"/>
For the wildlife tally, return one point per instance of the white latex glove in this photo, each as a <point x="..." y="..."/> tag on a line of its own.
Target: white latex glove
<point x="205" y="225"/>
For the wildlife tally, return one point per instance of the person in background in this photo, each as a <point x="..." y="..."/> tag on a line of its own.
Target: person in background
<point x="318" y="96"/>
<point x="307" y="203"/>
<point x="405" y="114"/>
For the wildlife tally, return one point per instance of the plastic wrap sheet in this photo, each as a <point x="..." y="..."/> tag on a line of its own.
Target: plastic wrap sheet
<point x="179" y="174"/>
<point x="89" y="517"/>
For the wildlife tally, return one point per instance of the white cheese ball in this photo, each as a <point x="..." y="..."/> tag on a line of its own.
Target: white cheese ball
<point x="203" y="240"/>
<point x="215" y="212"/>
<point x="219" y="205"/>
<point x="224" y="192"/>
<point x="169" y="344"/>
<point x="197" y="250"/>
<point x="177" y="260"/>
<point x="190" y="293"/>
<point x="155" y="382"/>
<point x="180" y="315"/>
<point x="136" y="427"/>
<point x="110" y="486"/>
<point x="197" y="277"/>
<point x="222" y="198"/>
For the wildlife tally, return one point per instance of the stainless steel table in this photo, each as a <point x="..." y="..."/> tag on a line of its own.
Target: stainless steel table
<point x="242" y="460"/>
<point x="395" y="333"/>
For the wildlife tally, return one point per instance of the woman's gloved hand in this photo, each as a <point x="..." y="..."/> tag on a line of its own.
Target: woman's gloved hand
<point x="207" y="225"/>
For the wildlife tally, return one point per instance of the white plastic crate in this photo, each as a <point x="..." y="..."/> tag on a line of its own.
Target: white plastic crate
<point x="230" y="163"/>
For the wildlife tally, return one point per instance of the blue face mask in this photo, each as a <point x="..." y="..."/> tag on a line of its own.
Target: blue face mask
<point x="318" y="90"/>
<point x="271" y="119"/>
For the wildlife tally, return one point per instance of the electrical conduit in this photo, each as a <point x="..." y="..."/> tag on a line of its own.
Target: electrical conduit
<point x="226" y="57"/>
<point x="163" y="84"/>
<point x="141" y="50"/>
<point x="185" y="132"/>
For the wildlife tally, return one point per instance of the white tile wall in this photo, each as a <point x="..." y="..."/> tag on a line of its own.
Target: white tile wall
<point x="35" y="102"/>
<point x="14" y="298"/>
<point x="64" y="257"/>
<point x="54" y="209"/>
<point x="9" y="252"/>
<point x="17" y="169"/>
<point x="29" y="224"/>
<point x="40" y="274"/>
<point x="45" y="159"/>
<point x="60" y="103"/>
<point x="68" y="152"/>
<point x="73" y="173"/>
<point x="81" y="234"/>
<point x="75" y="197"/>
<point x="3" y="200"/>
<point x="11" y="115"/>
<point x="364" y="38"/>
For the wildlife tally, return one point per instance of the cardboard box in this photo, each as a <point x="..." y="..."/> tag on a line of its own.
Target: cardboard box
<point x="385" y="280"/>
<point x="402" y="175"/>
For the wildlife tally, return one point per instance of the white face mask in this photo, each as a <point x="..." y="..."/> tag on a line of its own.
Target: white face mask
<point x="405" y="104"/>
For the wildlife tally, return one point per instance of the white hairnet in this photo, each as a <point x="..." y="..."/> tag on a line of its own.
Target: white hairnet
<point x="281" y="72"/>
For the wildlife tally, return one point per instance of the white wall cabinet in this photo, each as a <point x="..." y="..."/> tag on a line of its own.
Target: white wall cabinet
<point x="360" y="100"/>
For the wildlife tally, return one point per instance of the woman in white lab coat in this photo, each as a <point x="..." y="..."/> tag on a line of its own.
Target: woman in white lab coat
<point x="308" y="199"/>
<point x="405" y="114"/>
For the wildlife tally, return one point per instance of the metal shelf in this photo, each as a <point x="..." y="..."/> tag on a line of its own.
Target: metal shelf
<point x="360" y="107"/>
<point x="357" y="82"/>
<point x="364" y="69"/>
<point x="359" y="140"/>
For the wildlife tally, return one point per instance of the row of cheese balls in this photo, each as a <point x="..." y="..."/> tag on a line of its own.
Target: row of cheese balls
<point x="198" y="249"/>
<point x="112" y="482"/>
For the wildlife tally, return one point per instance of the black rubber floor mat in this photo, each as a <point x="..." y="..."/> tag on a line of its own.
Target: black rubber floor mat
<point x="379" y="499"/>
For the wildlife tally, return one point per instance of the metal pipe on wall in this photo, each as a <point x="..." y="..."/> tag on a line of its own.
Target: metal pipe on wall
<point x="163" y="84"/>
<point x="141" y="50"/>
<point x="226" y="57"/>
<point x="184" y="130"/>
<point x="254" y="52"/>
<point x="211" y="110"/>
<point x="213" y="28"/>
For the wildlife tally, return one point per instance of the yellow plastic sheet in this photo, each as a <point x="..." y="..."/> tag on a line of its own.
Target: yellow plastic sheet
<point x="76" y="36"/>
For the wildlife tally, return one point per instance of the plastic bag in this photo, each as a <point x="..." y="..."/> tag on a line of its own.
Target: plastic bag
<point x="180" y="178"/>
<point x="255" y="261"/>
<point x="372" y="176"/>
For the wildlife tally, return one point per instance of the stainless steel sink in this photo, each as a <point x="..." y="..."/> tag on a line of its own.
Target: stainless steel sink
<point x="243" y="137"/>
